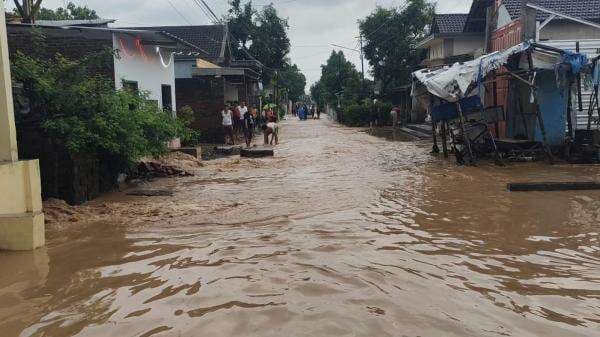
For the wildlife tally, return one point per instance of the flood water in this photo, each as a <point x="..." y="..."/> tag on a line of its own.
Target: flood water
<point x="342" y="234"/>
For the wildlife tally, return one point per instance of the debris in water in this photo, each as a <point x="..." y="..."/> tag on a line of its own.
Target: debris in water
<point x="151" y="193"/>
<point x="553" y="186"/>
<point x="257" y="152"/>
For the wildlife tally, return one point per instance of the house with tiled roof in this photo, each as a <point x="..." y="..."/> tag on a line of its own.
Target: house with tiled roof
<point x="208" y="76"/>
<point x="555" y="19"/>
<point x="565" y="24"/>
<point x="448" y="42"/>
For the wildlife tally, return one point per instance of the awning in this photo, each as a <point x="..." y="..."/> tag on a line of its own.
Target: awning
<point x="454" y="82"/>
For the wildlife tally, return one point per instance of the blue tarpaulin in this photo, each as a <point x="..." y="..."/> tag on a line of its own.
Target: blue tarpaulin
<point x="449" y="111"/>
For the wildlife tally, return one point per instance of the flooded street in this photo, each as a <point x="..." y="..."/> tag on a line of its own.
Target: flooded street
<point x="341" y="234"/>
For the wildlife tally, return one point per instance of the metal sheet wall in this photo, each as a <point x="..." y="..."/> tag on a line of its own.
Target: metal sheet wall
<point x="592" y="49"/>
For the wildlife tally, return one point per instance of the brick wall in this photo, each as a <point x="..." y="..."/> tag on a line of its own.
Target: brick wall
<point x="72" y="44"/>
<point x="73" y="179"/>
<point x="206" y="96"/>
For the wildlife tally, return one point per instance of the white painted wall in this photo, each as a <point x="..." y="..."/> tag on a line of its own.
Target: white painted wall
<point x="436" y="50"/>
<point x="568" y="30"/>
<point x="503" y="17"/>
<point x="143" y="64"/>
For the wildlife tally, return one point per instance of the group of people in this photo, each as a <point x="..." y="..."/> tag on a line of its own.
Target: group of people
<point x="302" y="111"/>
<point x="243" y="121"/>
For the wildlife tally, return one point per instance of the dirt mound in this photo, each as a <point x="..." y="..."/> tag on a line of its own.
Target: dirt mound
<point x="59" y="213"/>
<point x="172" y="164"/>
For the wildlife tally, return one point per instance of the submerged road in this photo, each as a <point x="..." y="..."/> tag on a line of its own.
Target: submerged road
<point x="341" y="234"/>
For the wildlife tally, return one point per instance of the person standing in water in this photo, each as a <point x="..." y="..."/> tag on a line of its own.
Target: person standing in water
<point x="394" y="116"/>
<point x="242" y="109"/>
<point x="248" y="127"/>
<point x="227" y="121"/>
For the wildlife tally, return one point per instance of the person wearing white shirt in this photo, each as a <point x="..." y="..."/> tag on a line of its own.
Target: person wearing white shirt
<point x="242" y="110"/>
<point x="227" y="116"/>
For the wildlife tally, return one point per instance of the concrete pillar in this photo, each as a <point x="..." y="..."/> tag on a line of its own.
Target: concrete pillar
<point x="21" y="217"/>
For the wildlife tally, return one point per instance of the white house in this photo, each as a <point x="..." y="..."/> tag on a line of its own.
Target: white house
<point x="146" y="66"/>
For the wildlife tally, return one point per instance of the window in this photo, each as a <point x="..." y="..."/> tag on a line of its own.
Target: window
<point x="167" y="100"/>
<point x="131" y="86"/>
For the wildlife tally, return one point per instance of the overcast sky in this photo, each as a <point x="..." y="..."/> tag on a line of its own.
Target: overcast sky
<point x="314" y="24"/>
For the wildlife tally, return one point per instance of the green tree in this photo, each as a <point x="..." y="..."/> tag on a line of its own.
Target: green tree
<point x="339" y="80"/>
<point x="270" y="41"/>
<point x="391" y="36"/>
<point x="292" y="80"/>
<point x="71" y="12"/>
<point x="316" y="91"/>
<point x="241" y="26"/>
<point x="261" y="35"/>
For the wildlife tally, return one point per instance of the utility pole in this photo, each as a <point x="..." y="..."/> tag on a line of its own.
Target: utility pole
<point x="362" y="63"/>
<point x="21" y="217"/>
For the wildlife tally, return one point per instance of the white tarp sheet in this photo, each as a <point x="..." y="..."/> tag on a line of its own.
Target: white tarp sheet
<point x="452" y="83"/>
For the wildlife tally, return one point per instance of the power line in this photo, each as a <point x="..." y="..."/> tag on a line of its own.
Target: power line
<point x="178" y="12"/>
<point x="207" y="11"/>
<point x="210" y="10"/>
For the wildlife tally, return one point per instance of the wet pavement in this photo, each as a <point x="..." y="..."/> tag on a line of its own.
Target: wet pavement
<point x="341" y="234"/>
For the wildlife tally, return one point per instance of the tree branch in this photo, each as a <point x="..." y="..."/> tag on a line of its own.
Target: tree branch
<point x="19" y="8"/>
<point x="36" y="7"/>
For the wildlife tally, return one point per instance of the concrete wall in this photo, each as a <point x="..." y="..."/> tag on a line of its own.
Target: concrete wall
<point x="184" y="68"/>
<point x="231" y="92"/>
<point x="468" y="45"/>
<point x="567" y="30"/>
<point x="21" y="217"/>
<point x="503" y="17"/>
<point x="144" y="65"/>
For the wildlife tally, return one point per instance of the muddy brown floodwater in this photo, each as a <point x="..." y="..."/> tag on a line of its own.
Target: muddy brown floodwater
<point x="342" y="234"/>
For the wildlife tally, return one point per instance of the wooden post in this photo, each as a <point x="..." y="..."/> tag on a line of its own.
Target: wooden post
<point x="579" y="93"/>
<point x="444" y="140"/>
<point x="528" y="21"/>
<point x="536" y="108"/>
<point x="570" y="112"/>
<point x="463" y="132"/>
<point x="435" y="148"/>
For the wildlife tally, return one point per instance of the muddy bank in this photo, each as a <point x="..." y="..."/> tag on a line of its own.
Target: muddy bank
<point x="341" y="233"/>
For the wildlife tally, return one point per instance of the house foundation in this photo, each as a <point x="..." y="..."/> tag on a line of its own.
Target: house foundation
<point x="21" y="217"/>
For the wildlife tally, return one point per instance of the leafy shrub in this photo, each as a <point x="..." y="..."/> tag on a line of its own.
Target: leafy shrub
<point x="80" y="108"/>
<point x="189" y="137"/>
<point x="362" y="114"/>
<point x="355" y="115"/>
